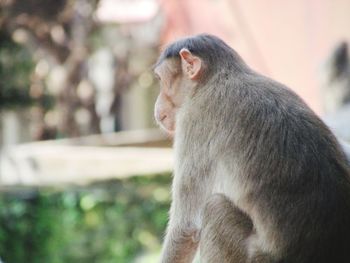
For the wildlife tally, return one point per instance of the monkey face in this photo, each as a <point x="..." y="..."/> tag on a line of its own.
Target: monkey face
<point x="178" y="78"/>
<point x="167" y="73"/>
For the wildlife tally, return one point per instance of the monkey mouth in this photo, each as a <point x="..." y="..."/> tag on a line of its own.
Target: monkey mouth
<point x="167" y="126"/>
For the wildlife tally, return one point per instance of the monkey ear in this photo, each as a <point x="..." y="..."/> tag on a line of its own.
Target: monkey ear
<point x="191" y="65"/>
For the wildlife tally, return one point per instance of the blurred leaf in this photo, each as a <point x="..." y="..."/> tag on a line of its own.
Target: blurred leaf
<point x="114" y="221"/>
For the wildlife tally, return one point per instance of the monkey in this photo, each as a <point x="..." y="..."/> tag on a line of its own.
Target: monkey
<point x="258" y="177"/>
<point x="336" y="79"/>
<point x="336" y="91"/>
<point x="346" y="148"/>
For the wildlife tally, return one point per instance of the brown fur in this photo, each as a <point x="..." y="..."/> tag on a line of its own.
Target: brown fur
<point x="258" y="176"/>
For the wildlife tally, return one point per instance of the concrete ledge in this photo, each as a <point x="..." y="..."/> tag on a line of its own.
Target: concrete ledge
<point x="86" y="159"/>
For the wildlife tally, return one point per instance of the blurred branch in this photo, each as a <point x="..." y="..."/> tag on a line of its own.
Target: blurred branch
<point x="56" y="31"/>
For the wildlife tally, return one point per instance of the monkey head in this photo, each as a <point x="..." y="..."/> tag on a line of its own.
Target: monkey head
<point x="178" y="77"/>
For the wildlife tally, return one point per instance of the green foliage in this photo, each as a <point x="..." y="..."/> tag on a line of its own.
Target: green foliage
<point x="113" y="221"/>
<point x="16" y="66"/>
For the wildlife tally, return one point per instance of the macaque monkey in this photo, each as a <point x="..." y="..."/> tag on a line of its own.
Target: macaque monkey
<point x="258" y="176"/>
<point x="336" y="80"/>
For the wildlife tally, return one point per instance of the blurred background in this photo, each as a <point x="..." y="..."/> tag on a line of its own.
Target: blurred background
<point x="84" y="172"/>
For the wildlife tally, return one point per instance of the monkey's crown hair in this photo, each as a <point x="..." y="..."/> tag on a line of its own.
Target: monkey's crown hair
<point x="210" y="48"/>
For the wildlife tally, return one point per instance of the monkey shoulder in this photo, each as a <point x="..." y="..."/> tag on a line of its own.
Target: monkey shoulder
<point x="264" y="99"/>
<point x="279" y="121"/>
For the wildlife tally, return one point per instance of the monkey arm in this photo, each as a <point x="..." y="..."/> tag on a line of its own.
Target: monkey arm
<point x="183" y="233"/>
<point x="180" y="244"/>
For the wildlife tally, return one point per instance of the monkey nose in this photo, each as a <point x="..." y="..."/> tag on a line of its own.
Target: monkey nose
<point x="160" y="116"/>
